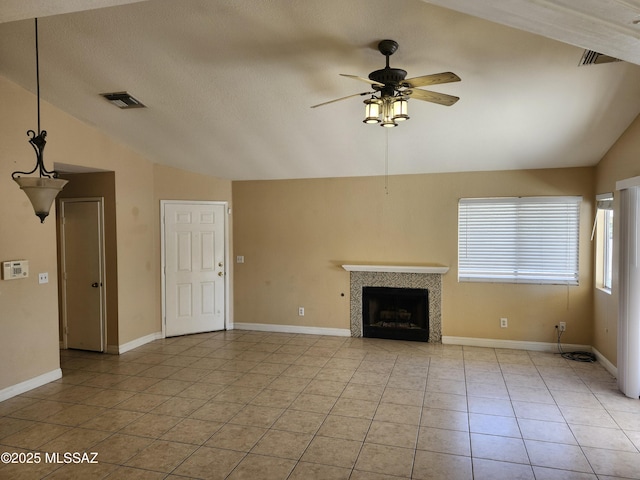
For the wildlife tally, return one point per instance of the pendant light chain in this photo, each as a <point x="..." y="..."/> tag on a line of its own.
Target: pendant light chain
<point x="37" y="75"/>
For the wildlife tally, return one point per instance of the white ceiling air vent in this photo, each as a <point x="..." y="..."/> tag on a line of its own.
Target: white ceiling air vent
<point x="123" y="100"/>
<point x="589" y="57"/>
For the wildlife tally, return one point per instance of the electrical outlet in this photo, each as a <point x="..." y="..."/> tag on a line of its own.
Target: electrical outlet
<point x="301" y="311"/>
<point x="562" y="326"/>
<point x="503" y="323"/>
<point x="43" y="278"/>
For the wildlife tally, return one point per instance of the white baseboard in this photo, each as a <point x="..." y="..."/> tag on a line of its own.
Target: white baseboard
<point x="535" y="346"/>
<point x="265" y="327"/>
<point x="30" y="384"/>
<point x="138" y="342"/>
<point x="512" y="344"/>
<point x="608" y="366"/>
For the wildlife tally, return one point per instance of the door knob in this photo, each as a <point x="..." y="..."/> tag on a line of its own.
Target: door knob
<point x="221" y="274"/>
<point x="94" y="285"/>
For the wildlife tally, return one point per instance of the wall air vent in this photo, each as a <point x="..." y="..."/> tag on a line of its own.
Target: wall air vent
<point x="589" y="57"/>
<point x="123" y="100"/>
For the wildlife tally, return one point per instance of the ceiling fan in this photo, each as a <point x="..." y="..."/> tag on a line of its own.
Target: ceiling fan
<point x="393" y="90"/>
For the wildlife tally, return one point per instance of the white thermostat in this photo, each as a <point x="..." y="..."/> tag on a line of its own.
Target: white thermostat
<point x="14" y="269"/>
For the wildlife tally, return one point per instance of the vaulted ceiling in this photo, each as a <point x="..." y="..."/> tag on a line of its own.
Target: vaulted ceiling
<point x="228" y="85"/>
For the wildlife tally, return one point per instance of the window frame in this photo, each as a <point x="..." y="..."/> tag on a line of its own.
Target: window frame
<point x="603" y="230"/>
<point x="500" y="240"/>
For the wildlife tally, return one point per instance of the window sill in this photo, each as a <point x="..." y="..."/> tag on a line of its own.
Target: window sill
<point x="604" y="290"/>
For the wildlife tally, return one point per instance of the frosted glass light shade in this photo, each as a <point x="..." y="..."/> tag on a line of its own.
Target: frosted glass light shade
<point x="41" y="192"/>
<point x="371" y="111"/>
<point x="400" y="107"/>
<point x="387" y="113"/>
<point x="388" y="122"/>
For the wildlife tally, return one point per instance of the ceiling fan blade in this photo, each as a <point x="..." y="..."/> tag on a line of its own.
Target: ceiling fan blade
<point x="434" y="79"/>
<point x="434" y="97"/>
<point x="362" y="79"/>
<point x="342" y="98"/>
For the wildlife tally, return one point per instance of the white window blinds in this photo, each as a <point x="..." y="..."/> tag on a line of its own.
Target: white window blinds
<point x="519" y="240"/>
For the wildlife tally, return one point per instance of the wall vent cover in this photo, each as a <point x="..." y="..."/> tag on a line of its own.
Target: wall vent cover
<point x="589" y="57"/>
<point x="123" y="100"/>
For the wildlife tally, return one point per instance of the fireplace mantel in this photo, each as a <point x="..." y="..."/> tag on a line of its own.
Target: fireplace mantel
<point x="397" y="268"/>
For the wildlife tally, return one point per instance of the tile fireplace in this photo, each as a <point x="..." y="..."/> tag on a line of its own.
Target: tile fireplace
<point x="424" y="281"/>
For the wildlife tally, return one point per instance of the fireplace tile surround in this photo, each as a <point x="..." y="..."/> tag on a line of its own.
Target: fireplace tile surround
<point x="429" y="278"/>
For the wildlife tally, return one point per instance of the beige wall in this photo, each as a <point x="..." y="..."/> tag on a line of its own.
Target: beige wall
<point x="73" y="142"/>
<point x="622" y="161"/>
<point x="295" y="234"/>
<point x="28" y="311"/>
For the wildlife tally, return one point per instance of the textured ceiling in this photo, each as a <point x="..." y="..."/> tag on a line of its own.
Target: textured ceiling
<point x="228" y="84"/>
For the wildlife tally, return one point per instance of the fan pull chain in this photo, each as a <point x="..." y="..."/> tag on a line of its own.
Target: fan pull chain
<point x="386" y="162"/>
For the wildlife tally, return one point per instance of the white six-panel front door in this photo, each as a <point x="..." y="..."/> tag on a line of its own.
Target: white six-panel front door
<point x="194" y="246"/>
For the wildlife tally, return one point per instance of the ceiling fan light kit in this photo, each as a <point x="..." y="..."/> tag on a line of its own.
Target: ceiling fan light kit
<point x="386" y="111"/>
<point x="389" y="102"/>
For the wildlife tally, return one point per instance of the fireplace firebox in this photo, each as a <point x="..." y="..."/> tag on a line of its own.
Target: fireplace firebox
<point x="395" y="313"/>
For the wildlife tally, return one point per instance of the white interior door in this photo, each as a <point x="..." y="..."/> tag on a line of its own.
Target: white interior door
<point x="194" y="262"/>
<point x="82" y="274"/>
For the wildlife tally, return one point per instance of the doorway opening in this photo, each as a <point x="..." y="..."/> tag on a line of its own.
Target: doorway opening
<point x="82" y="273"/>
<point x="91" y="185"/>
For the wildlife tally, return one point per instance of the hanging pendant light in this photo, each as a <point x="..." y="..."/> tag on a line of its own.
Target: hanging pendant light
<point x="372" y="110"/>
<point x="41" y="190"/>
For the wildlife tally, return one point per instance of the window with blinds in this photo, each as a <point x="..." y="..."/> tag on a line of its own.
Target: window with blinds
<point x="519" y="240"/>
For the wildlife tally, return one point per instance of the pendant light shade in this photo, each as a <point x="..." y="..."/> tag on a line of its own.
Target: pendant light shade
<point x="388" y="123"/>
<point x="400" y="110"/>
<point x="43" y="189"/>
<point x="42" y="192"/>
<point x="387" y="113"/>
<point x="372" y="111"/>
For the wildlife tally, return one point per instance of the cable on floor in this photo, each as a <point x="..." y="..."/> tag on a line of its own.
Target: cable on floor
<point x="586" y="357"/>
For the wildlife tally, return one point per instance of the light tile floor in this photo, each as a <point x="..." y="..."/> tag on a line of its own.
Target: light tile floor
<point x="259" y="406"/>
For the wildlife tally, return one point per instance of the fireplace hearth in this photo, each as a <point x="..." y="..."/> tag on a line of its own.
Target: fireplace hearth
<point x="395" y="313"/>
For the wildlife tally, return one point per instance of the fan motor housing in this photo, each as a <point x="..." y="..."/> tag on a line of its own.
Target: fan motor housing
<point x="391" y="77"/>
